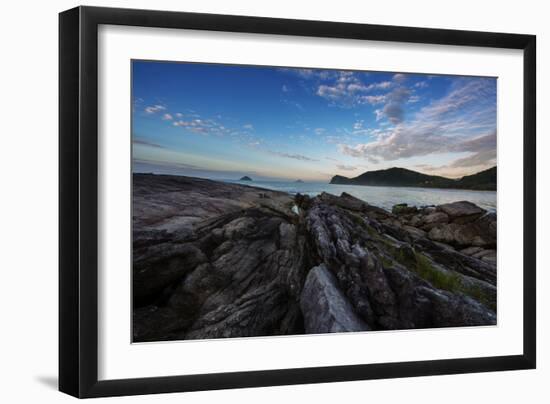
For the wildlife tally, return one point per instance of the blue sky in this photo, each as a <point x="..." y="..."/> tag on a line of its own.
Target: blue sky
<point x="225" y="121"/>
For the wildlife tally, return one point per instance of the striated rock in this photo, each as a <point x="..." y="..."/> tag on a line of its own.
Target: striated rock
<point x="324" y="306"/>
<point x="471" y="250"/>
<point x="390" y="284"/>
<point x="217" y="260"/>
<point x="461" y="212"/>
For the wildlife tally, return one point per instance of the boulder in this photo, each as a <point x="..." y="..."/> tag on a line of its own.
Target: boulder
<point x="461" y="212"/>
<point x="403" y="209"/>
<point x="433" y="219"/>
<point x="325" y="308"/>
<point x="479" y="233"/>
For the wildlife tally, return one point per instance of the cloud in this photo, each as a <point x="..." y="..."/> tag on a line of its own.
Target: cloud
<point x="143" y="142"/>
<point x="345" y="167"/>
<point x="463" y="121"/>
<point x="484" y="156"/>
<point x="158" y="163"/>
<point x="248" y="126"/>
<point x="421" y="84"/>
<point x="167" y="117"/>
<point x="292" y="156"/>
<point x="315" y="74"/>
<point x="202" y="126"/>
<point x="393" y="109"/>
<point x="319" y="131"/>
<point x="372" y="99"/>
<point x="285" y="88"/>
<point x="399" y="77"/>
<point x="154" y="108"/>
<point x="346" y="89"/>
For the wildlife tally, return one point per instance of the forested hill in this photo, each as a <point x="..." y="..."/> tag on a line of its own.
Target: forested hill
<point x="402" y="177"/>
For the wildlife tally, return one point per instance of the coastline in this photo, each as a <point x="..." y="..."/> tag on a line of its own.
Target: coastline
<point x="410" y="195"/>
<point x="213" y="259"/>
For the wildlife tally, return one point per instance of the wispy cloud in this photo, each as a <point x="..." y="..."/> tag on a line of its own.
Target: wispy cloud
<point x="167" y="117"/>
<point x="463" y="121"/>
<point x="345" y="167"/>
<point x="292" y="156"/>
<point x="144" y="142"/>
<point x="202" y="126"/>
<point x="421" y="84"/>
<point x="346" y="89"/>
<point x="319" y="131"/>
<point x="332" y="159"/>
<point x="154" y="108"/>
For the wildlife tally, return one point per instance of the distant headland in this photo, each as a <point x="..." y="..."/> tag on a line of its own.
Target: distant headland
<point x="401" y="177"/>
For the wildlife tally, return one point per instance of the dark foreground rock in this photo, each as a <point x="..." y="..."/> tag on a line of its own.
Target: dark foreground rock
<point x="214" y="260"/>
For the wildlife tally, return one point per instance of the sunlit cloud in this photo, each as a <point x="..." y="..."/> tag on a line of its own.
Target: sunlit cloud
<point x="444" y="126"/>
<point x="154" y="108"/>
<point x="345" y="167"/>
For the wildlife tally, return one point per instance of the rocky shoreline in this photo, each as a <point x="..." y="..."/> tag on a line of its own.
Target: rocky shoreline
<point x="215" y="260"/>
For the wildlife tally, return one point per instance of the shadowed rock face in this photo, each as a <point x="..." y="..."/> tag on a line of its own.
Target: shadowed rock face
<point x="213" y="260"/>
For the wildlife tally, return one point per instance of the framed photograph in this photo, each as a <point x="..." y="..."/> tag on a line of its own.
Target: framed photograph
<point x="251" y="201"/>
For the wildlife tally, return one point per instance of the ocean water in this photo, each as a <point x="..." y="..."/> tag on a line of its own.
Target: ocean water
<point x="384" y="197"/>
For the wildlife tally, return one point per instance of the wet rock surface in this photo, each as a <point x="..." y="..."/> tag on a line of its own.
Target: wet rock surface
<point x="213" y="260"/>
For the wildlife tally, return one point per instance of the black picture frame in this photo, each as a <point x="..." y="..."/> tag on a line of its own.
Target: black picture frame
<point x="78" y="201"/>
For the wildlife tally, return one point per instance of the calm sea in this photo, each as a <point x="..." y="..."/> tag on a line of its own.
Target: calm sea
<point x="384" y="197"/>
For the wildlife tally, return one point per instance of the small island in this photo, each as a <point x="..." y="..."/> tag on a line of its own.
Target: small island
<point x="245" y="178"/>
<point x="299" y="182"/>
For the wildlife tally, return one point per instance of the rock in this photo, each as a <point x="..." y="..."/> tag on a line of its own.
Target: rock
<point x="415" y="220"/>
<point x="471" y="250"/>
<point x="415" y="232"/>
<point x="403" y="209"/>
<point x="218" y="260"/>
<point x="324" y="306"/>
<point x="302" y="201"/>
<point x="433" y="219"/>
<point x="479" y="233"/>
<point x="349" y="202"/>
<point x="486" y="255"/>
<point x="461" y="212"/>
<point x="158" y="266"/>
<point x="490" y="258"/>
